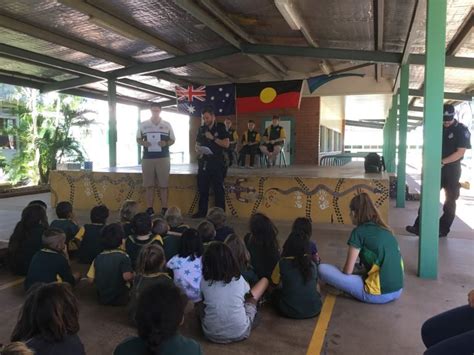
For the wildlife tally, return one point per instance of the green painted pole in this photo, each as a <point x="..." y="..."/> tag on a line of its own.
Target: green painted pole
<point x="139" y="147"/>
<point x="391" y="137"/>
<point x="112" y="98"/>
<point x="432" y="141"/>
<point x="385" y="141"/>
<point x="402" y="135"/>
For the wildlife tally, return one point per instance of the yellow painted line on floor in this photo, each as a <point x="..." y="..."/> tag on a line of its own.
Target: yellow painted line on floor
<point x="319" y="334"/>
<point x="11" y="284"/>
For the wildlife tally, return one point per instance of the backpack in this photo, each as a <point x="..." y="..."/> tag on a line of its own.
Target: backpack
<point x="374" y="163"/>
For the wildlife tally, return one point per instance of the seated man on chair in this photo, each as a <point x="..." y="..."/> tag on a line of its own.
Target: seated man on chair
<point x="273" y="140"/>
<point x="234" y="138"/>
<point x="250" y="141"/>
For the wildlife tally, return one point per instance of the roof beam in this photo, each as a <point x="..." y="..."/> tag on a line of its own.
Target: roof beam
<point x="460" y="37"/>
<point x="177" y="61"/>
<point x="104" y="19"/>
<point x="379" y="7"/>
<point x="447" y="95"/>
<point x="451" y="61"/>
<point x="198" y="13"/>
<point x="136" y="85"/>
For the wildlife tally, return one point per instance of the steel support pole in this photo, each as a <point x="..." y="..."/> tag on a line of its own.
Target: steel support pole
<point x="402" y="135"/>
<point x="432" y="137"/>
<point x="112" y="99"/>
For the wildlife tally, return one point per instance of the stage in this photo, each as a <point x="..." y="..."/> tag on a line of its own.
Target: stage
<point x="320" y="193"/>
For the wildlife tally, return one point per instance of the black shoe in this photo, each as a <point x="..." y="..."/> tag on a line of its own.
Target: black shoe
<point x="150" y="211"/>
<point x="198" y="215"/>
<point x="443" y="234"/>
<point x="412" y="230"/>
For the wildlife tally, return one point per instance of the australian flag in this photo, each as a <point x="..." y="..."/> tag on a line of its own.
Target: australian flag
<point x="191" y="100"/>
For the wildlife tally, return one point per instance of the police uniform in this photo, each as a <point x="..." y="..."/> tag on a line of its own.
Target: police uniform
<point x="249" y="137"/>
<point x="211" y="167"/>
<point x="455" y="136"/>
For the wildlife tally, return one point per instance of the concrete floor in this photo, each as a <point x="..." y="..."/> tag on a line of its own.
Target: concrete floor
<point x="354" y="328"/>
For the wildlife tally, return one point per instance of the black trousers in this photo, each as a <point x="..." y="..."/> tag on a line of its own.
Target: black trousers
<point x="252" y="150"/>
<point x="211" y="173"/>
<point x="450" y="175"/>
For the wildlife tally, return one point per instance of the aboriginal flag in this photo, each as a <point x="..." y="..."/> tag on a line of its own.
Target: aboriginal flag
<point x="257" y="97"/>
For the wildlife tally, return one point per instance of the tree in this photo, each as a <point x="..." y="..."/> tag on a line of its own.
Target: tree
<point x="44" y="137"/>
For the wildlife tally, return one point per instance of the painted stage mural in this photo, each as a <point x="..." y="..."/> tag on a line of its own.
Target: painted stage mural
<point x="322" y="199"/>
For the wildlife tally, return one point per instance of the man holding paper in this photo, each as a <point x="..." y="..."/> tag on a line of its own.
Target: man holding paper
<point x="156" y="136"/>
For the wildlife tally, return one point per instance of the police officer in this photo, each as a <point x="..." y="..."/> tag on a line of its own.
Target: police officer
<point x="456" y="139"/>
<point x="211" y="135"/>
<point x="250" y="142"/>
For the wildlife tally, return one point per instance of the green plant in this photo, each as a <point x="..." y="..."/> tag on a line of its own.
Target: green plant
<point x="44" y="138"/>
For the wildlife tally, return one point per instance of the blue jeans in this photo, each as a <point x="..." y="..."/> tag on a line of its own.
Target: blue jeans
<point x="353" y="285"/>
<point x="451" y="332"/>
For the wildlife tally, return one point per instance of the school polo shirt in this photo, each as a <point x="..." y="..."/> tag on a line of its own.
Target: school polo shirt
<point x="28" y="248"/>
<point x="455" y="136"/>
<point x="90" y="245"/>
<point x="380" y="254"/>
<point x="177" y="344"/>
<point x="48" y="266"/>
<point x="250" y="137"/>
<point x="67" y="226"/>
<point x="148" y="131"/>
<point x="133" y="245"/>
<point x="275" y="133"/>
<point x="107" y="271"/>
<point x="297" y="298"/>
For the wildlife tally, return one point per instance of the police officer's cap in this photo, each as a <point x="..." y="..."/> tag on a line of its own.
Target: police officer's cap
<point x="448" y="112"/>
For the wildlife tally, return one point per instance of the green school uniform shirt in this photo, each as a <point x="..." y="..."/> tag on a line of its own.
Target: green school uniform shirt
<point x="296" y="299"/>
<point x="48" y="266"/>
<point x="90" y="245"/>
<point x="133" y="245"/>
<point x="107" y="272"/>
<point x="171" y="243"/>
<point x="21" y="258"/>
<point x="380" y="254"/>
<point x="263" y="261"/>
<point x="69" y="227"/>
<point x="177" y="344"/>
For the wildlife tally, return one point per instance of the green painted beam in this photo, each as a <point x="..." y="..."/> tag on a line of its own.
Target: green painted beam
<point x="432" y="138"/>
<point x="136" y="85"/>
<point x="177" y="61"/>
<point x="322" y="53"/>
<point x="450" y="62"/>
<point x="112" y="95"/>
<point x="447" y="95"/>
<point x="402" y="135"/>
<point x="70" y="84"/>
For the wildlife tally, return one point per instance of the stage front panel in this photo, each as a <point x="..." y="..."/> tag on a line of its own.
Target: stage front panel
<point x="323" y="199"/>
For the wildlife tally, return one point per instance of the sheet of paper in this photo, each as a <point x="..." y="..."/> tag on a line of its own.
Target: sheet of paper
<point x="154" y="139"/>
<point x="203" y="150"/>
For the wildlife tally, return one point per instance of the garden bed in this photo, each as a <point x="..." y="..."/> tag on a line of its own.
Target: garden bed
<point x="12" y="191"/>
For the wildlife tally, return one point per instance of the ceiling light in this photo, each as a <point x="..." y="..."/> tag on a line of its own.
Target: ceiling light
<point x="288" y="11"/>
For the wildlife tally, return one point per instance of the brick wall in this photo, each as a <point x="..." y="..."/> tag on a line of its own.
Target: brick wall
<point x="305" y="137"/>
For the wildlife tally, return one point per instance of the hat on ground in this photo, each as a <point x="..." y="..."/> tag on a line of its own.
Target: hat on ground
<point x="448" y="112"/>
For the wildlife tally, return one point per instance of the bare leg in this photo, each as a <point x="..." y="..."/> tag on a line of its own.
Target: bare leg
<point x="150" y="196"/>
<point x="164" y="197"/>
<point x="259" y="289"/>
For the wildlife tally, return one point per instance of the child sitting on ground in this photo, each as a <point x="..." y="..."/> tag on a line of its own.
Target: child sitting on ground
<point x="262" y="245"/>
<point x="141" y="236"/>
<point x="112" y="270"/>
<point x="186" y="265"/>
<point x="217" y="217"/>
<point x="65" y="221"/>
<point x="207" y="232"/>
<point x="150" y="270"/>
<point x="128" y="210"/>
<point x="48" y="322"/>
<point x="89" y="243"/>
<point x="175" y="220"/>
<point x="242" y="256"/>
<point x="230" y="306"/>
<point x="51" y="263"/>
<point x="160" y="312"/>
<point x="304" y="225"/>
<point x="298" y="276"/>
<point x="25" y="240"/>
